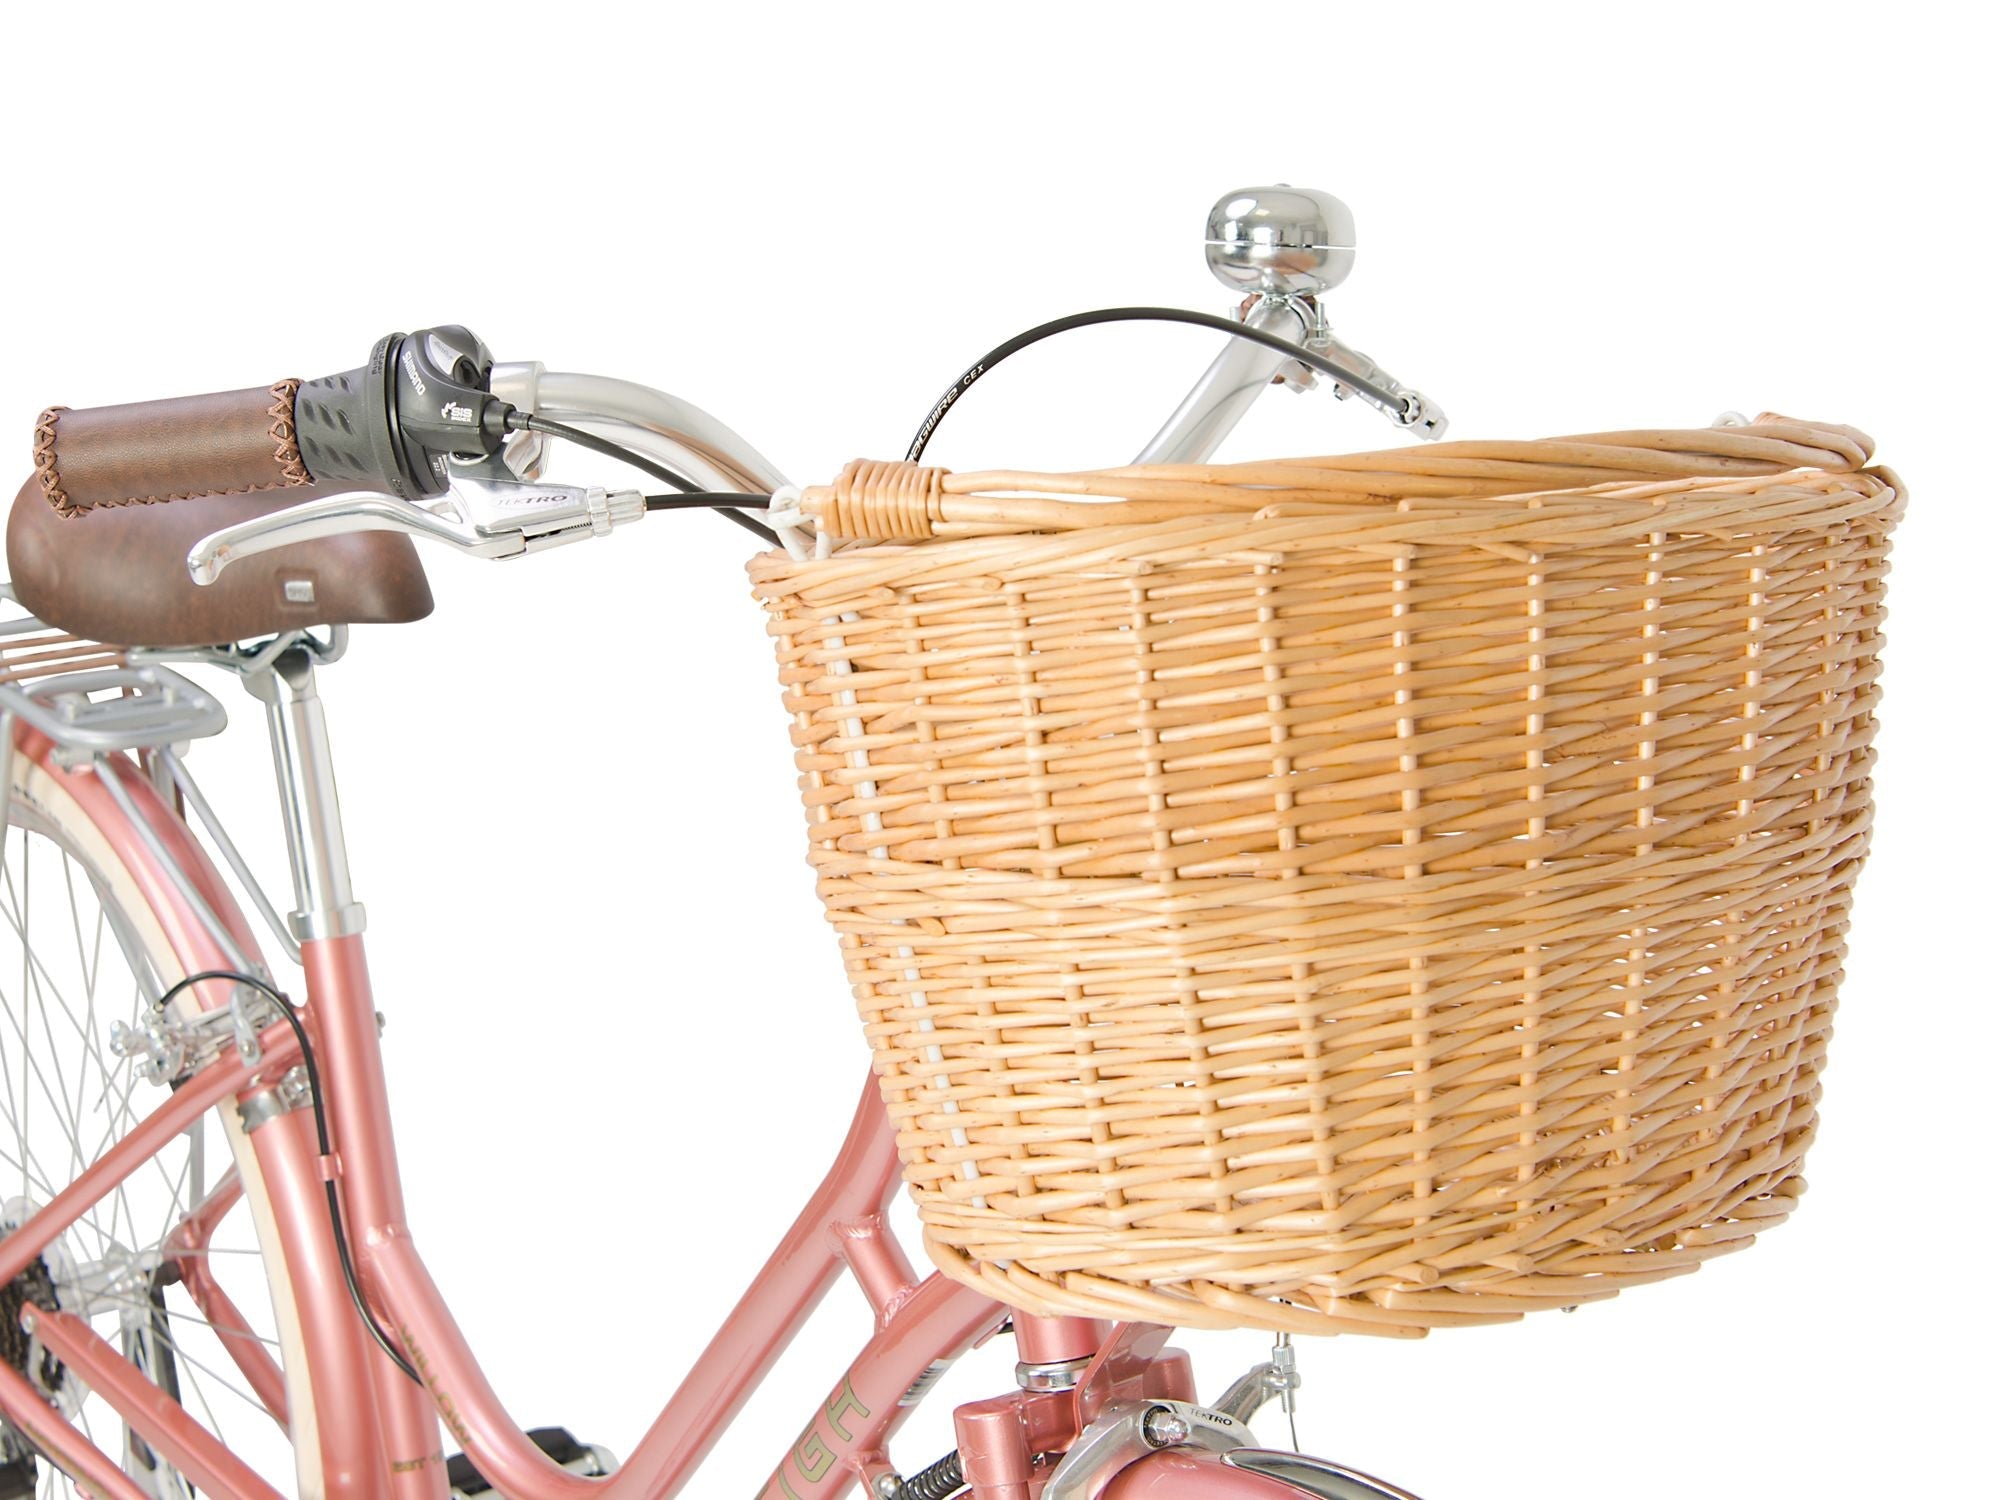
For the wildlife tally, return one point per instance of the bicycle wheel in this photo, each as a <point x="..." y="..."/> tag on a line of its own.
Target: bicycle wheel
<point x="193" y="1300"/>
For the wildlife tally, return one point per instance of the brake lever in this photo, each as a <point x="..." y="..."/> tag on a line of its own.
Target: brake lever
<point x="478" y="517"/>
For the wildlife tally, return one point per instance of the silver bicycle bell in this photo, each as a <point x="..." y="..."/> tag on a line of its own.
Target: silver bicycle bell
<point x="1280" y="241"/>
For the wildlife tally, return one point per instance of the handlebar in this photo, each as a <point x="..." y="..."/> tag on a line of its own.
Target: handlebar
<point x="432" y="439"/>
<point x="433" y="447"/>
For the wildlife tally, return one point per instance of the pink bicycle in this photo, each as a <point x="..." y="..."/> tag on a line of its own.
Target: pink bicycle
<point x="1419" y="890"/>
<point x="205" y="1273"/>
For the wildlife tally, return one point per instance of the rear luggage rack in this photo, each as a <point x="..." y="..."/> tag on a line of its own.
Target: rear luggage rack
<point x="91" y="699"/>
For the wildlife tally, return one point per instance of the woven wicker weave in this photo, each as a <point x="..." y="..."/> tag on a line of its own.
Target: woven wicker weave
<point x="1346" y="895"/>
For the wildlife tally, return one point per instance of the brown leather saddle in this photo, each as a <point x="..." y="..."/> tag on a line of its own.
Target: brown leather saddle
<point x="119" y="574"/>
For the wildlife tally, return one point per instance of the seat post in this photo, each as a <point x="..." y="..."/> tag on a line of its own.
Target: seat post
<point x="323" y="893"/>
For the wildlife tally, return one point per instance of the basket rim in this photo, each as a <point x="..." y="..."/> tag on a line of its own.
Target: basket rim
<point x="1514" y="525"/>
<point x="1592" y="489"/>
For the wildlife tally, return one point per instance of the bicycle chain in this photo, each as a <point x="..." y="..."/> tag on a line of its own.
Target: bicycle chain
<point x="36" y="1286"/>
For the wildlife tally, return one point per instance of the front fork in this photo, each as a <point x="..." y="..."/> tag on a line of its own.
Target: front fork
<point x="1123" y="1423"/>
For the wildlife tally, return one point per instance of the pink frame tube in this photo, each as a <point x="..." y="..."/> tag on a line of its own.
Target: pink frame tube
<point x="378" y="1432"/>
<point x="148" y="1410"/>
<point x="189" y="1248"/>
<point x="56" y="1436"/>
<point x="357" y="1104"/>
<point x="843" y="1226"/>
<point x="224" y="1078"/>
<point x="340" y="1359"/>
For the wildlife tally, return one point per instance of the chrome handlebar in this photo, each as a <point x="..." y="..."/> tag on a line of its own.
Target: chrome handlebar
<point x="1282" y="248"/>
<point x="505" y="509"/>
<point x="678" y="433"/>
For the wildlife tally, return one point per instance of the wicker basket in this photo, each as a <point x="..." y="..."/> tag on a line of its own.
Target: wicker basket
<point x="1359" y="894"/>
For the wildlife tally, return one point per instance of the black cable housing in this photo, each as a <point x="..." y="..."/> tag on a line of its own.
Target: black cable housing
<point x="723" y="506"/>
<point x="1055" y="326"/>
<point x="708" y="500"/>
<point x="311" y="1063"/>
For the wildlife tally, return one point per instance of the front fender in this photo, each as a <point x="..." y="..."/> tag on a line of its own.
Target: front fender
<point x="1243" y="1474"/>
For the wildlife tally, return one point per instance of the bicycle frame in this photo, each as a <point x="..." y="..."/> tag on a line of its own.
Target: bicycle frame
<point x="377" y="1434"/>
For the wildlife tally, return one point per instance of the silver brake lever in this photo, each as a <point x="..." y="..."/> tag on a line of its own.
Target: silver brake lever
<point x="479" y="517"/>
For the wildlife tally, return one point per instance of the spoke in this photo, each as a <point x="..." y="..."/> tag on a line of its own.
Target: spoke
<point x="60" y="1107"/>
<point x="85" y="1029"/>
<point x="29" y="1159"/>
<point x="181" y="1356"/>
<point x="77" y="1155"/>
<point x="33" y="975"/>
<point x="67" y="1081"/>
<point x="97" y="944"/>
<point x="175" y="1211"/>
<point x="27" y="963"/>
<point x="90" y="964"/>
<point x="122" y="1114"/>
<point x="7" y="1072"/>
<point x="13" y="1108"/>
<point x="88" y="1436"/>
<point x="48" y="1190"/>
<point x="93" y="1048"/>
<point x="84" y="968"/>
<point x="98" y="1302"/>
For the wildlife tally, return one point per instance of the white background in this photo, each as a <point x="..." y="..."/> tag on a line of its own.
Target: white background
<point x="620" y="1040"/>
